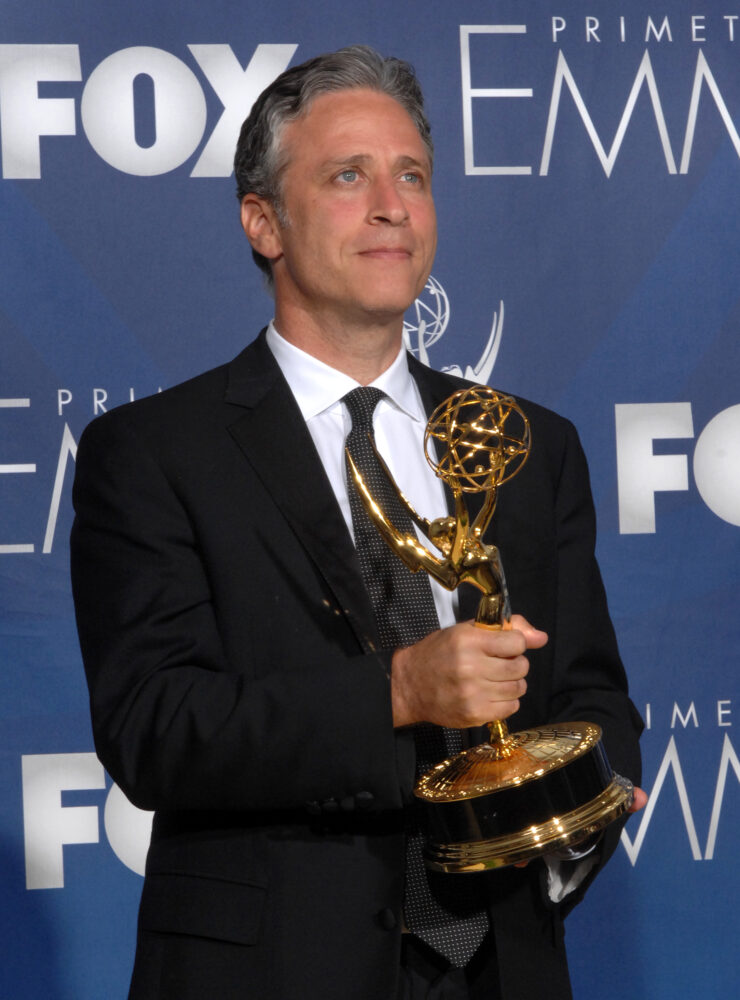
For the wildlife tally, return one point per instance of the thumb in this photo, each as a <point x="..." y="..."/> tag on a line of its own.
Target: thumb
<point x="535" y="638"/>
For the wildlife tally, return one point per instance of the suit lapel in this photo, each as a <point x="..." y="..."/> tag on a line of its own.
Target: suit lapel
<point x="271" y="432"/>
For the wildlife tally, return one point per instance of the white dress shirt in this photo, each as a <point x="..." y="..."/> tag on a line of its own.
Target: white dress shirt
<point x="399" y="422"/>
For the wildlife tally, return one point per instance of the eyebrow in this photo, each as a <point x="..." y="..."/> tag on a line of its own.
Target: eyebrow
<point x="361" y="158"/>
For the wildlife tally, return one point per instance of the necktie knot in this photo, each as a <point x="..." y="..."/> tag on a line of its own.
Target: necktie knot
<point x="361" y="403"/>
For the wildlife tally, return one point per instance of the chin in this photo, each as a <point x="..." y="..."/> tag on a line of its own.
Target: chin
<point x="387" y="300"/>
<point x="389" y="312"/>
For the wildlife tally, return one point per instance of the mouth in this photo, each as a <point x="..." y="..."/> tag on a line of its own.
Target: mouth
<point x="386" y="253"/>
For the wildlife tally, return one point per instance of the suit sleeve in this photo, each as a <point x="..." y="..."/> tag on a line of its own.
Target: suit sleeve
<point x="589" y="681"/>
<point x="176" y="723"/>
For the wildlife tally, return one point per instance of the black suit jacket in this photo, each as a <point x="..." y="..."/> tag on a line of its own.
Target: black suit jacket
<point x="229" y="646"/>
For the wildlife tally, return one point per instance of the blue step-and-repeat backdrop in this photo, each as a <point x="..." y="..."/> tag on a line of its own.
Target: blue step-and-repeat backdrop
<point x="588" y="187"/>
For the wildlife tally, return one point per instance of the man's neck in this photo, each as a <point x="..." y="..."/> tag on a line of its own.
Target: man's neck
<point x="361" y="350"/>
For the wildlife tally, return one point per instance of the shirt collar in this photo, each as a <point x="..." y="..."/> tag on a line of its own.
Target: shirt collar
<point x="318" y="387"/>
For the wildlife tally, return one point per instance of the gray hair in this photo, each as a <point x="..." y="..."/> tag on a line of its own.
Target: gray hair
<point x="260" y="159"/>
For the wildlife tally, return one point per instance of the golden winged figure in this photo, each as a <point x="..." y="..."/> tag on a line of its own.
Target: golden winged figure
<point x="479" y="451"/>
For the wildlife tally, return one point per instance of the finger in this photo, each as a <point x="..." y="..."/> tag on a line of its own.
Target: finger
<point x="507" y="690"/>
<point x="501" y="643"/>
<point x="496" y="710"/>
<point x="639" y="800"/>
<point x="500" y="669"/>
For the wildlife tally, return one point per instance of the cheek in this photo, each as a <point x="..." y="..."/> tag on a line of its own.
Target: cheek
<point x="341" y="228"/>
<point x="325" y="232"/>
<point x="429" y="226"/>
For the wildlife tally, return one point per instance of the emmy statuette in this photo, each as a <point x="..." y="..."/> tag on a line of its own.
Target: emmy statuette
<point x="520" y="795"/>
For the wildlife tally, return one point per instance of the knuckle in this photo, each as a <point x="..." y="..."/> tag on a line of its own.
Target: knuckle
<point x="465" y="671"/>
<point x="514" y="688"/>
<point x="518" y="667"/>
<point x="466" y="693"/>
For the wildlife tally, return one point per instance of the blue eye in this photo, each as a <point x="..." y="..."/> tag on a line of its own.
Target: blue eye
<point x="348" y="175"/>
<point x="411" y="177"/>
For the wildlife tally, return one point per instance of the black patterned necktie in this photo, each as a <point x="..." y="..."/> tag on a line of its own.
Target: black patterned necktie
<point x="446" y="911"/>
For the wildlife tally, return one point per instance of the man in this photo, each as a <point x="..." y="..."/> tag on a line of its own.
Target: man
<point x="240" y="685"/>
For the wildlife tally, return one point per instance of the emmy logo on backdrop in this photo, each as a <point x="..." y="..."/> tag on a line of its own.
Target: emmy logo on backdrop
<point x="428" y="318"/>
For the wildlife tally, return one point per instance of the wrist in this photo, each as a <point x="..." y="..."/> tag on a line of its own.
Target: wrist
<point x="402" y="714"/>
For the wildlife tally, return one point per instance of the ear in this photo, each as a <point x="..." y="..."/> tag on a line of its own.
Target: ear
<point x="260" y="223"/>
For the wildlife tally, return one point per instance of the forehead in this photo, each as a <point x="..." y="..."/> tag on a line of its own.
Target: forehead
<point x="353" y="122"/>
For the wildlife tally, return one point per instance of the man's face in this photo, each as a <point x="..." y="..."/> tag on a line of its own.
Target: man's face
<point x="359" y="231"/>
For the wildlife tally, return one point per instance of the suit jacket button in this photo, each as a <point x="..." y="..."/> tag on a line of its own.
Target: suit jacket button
<point x="364" y="800"/>
<point x="387" y="919"/>
<point x="313" y="808"/>
<point x="330" y="806"/>
<point x="347" y="804"/>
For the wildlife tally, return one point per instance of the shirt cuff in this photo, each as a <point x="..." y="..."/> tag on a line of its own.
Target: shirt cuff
<point x="564" y="877"/>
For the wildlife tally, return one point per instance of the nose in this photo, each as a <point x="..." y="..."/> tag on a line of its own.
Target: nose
<point x="387" y="204"/>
